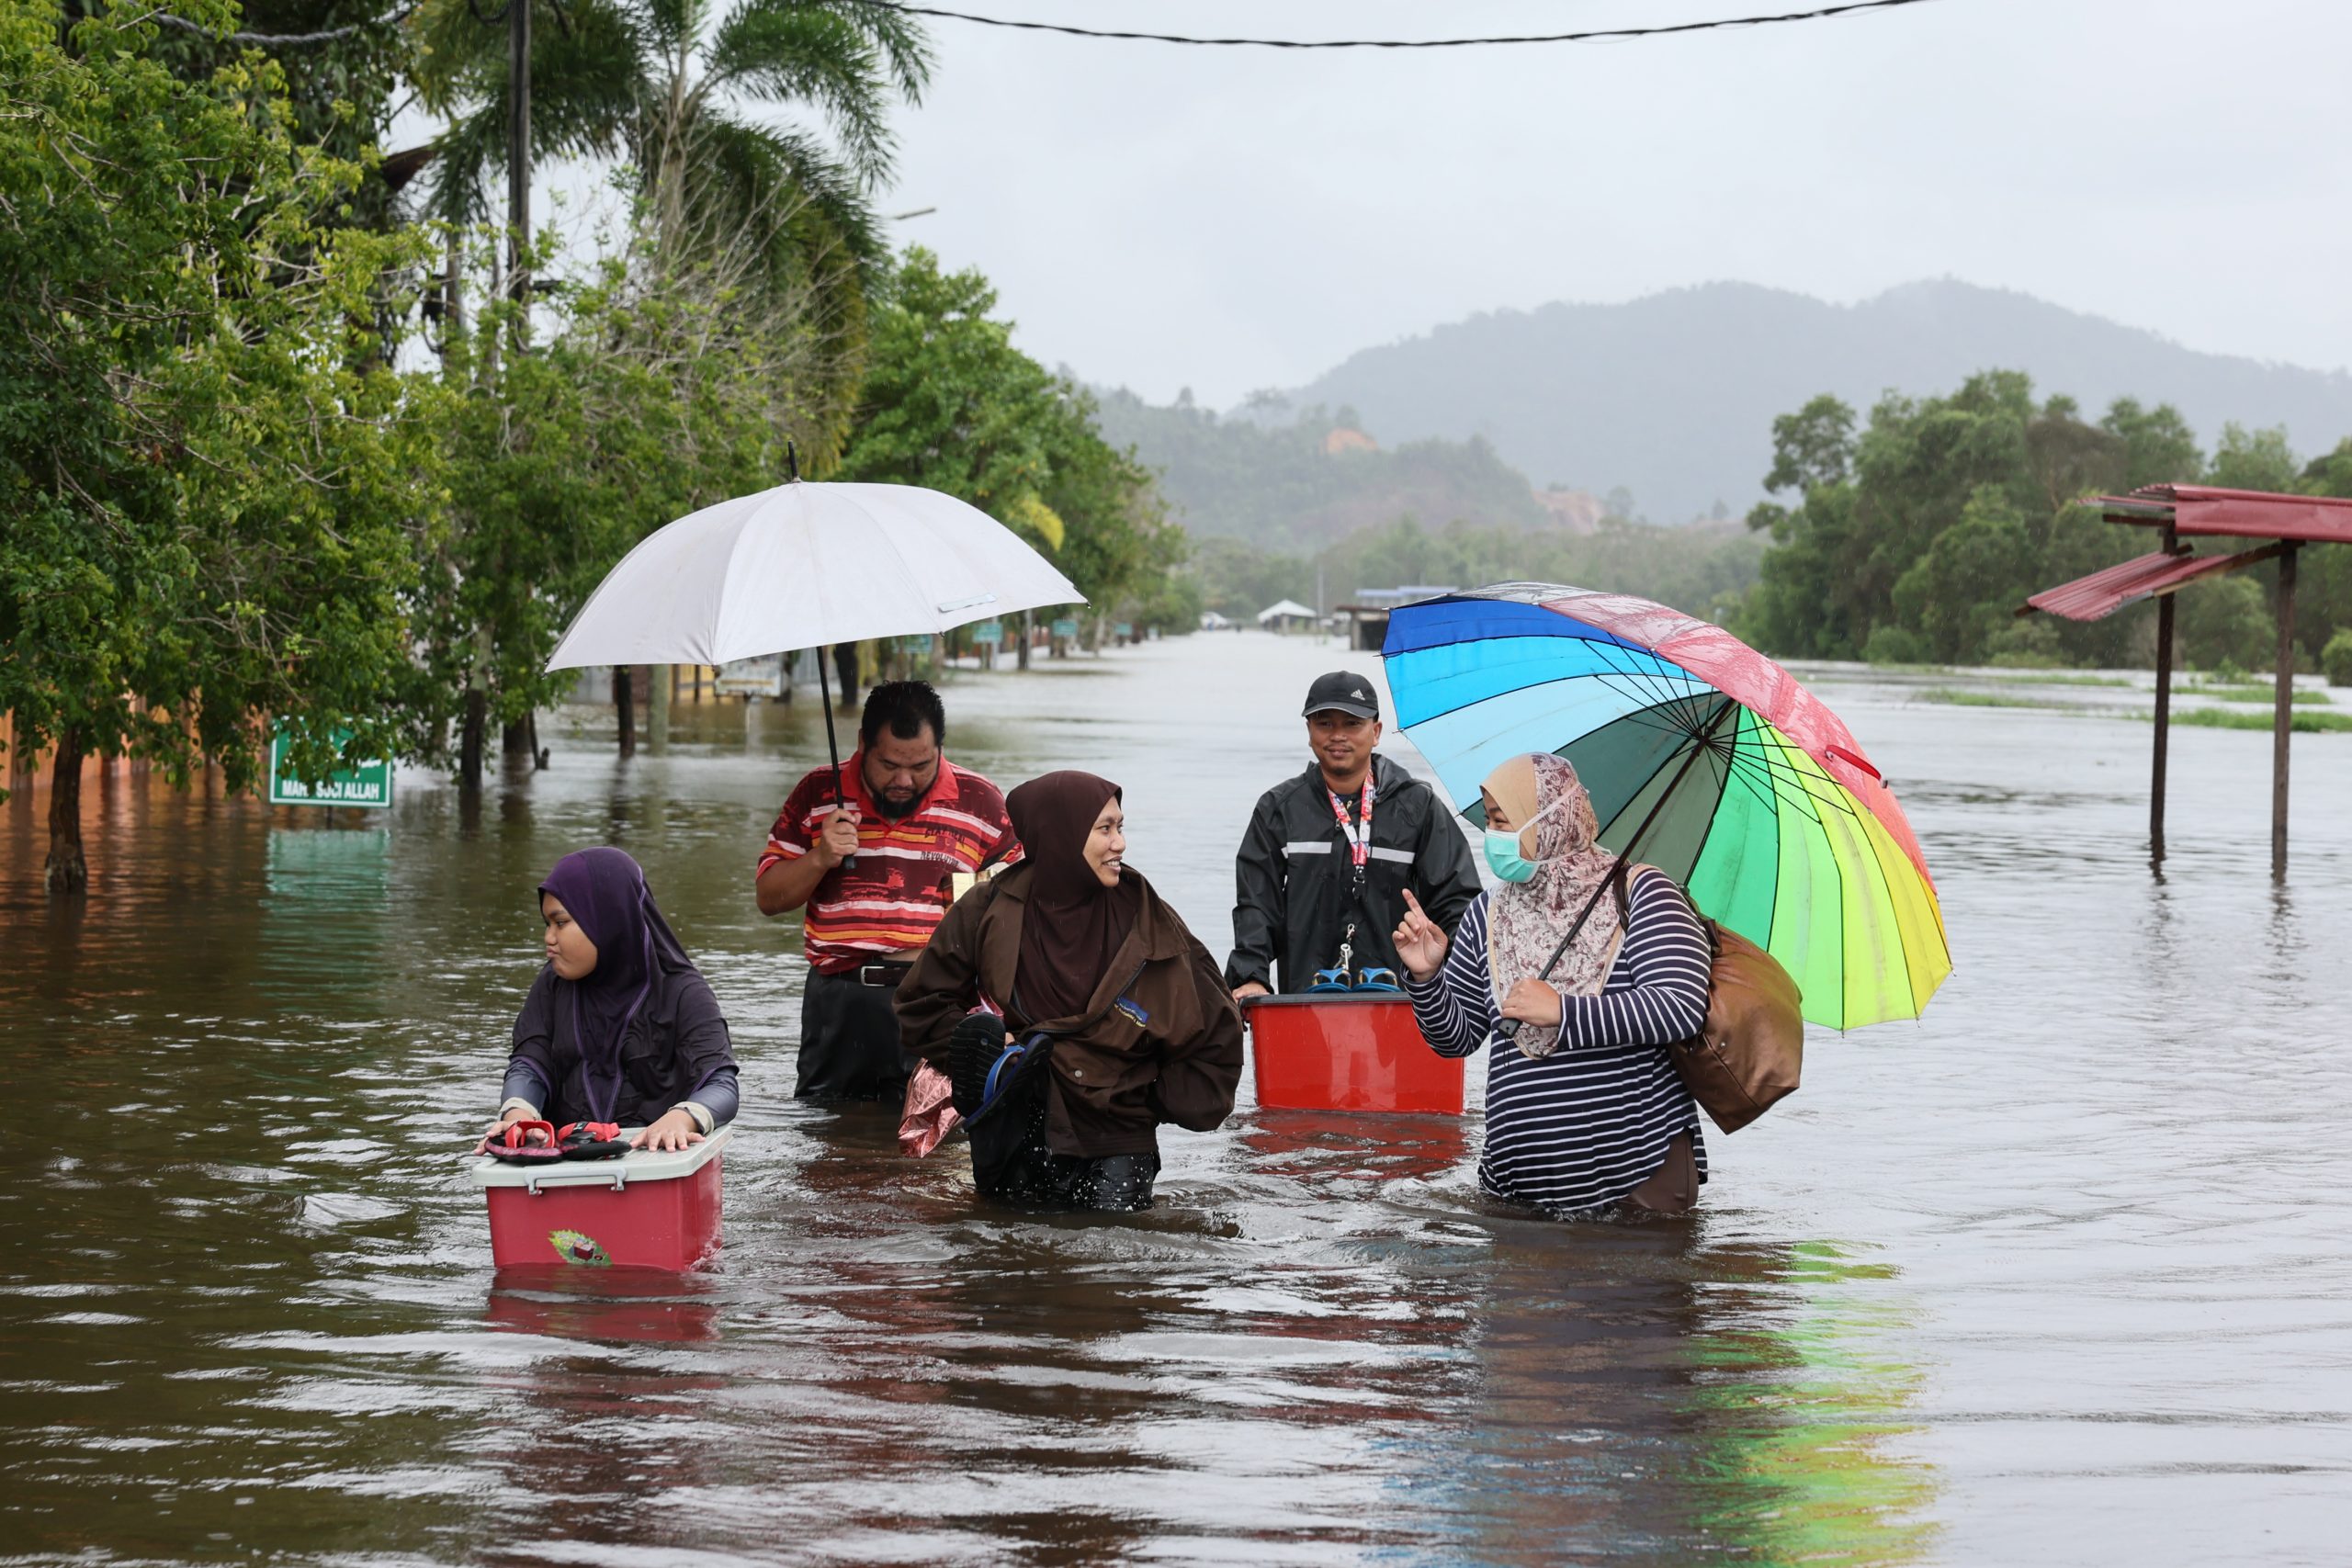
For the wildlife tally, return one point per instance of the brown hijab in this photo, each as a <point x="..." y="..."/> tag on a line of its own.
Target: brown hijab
<point x="1073" y="925"/>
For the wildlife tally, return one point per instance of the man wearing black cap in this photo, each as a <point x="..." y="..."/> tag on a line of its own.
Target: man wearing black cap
<point x="1329" y="854"/>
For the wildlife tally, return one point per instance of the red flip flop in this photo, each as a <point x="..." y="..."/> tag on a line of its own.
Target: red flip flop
<point x="590" y="1140"/>
<point x="512" y="1143"/>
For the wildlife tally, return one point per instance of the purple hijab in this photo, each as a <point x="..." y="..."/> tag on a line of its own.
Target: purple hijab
<point x="605" y="891"/>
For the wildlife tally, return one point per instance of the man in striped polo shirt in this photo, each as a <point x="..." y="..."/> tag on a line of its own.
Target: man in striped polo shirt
<point x="875" y="873"/>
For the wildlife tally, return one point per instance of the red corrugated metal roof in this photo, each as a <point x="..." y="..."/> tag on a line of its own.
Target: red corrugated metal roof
<point x="2101" y="595"/>
<point x="2207" y="510"/>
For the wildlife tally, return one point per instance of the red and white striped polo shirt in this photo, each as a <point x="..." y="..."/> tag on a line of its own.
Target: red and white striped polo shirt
<point x="892" y="892"/>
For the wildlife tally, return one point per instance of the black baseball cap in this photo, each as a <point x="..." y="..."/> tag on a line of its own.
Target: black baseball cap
<point x="1345" y="692"/>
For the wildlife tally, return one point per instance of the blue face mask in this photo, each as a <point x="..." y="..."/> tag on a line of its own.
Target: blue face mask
<point x="1502" y="848"/>
<point x="1504" y="859"/>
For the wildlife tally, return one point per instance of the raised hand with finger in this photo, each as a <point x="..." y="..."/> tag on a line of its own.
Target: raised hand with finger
<point x="1421" y="942"/>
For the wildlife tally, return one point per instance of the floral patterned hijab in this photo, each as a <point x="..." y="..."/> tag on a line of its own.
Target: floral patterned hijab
<point x="1526" y="919"/>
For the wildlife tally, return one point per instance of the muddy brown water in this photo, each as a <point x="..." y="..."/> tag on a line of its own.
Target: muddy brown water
<point x="2059" y="1274"/>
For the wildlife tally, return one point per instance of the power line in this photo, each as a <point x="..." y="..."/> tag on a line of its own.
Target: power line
<point x="1588" y="36"/>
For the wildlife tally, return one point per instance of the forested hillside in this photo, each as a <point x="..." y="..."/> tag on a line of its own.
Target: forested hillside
<point x="1672" y="397"/>
<point x="1301" y="486"/>
<point x="1311" y="505"/>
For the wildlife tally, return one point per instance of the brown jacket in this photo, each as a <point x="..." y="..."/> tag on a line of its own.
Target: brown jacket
<point x="1114" y="1076"/>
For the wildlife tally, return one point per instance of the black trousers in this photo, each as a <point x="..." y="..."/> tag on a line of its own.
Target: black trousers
<point x="849" y="1038"/>
<point x="1012" y="1163"/>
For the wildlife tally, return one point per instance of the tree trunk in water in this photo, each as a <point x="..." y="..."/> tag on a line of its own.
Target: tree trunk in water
<point x="469" y="739"/>
<point x="531" y="742"/>
<point x="1028" y="634"/>
<point x="514" y="740"/>
<point x="67" y="871"/>
<point x="845" y="673"/>
<point x="624" y="707"/>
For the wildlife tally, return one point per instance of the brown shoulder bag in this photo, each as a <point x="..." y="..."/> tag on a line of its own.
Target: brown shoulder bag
<point x="1749" y="1055"/>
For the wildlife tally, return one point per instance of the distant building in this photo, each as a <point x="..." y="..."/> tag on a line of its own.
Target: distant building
<point x="1366" y="620"/>
<point x="1286" y="615"/>
<point x="1341" y="439"/>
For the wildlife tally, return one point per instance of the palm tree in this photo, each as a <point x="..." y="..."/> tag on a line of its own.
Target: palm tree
<point x="674" y="91"/>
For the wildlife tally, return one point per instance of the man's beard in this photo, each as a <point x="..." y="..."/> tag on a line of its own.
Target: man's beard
<point x="894" y="809"/>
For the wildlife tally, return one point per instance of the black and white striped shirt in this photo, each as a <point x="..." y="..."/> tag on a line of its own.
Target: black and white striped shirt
<point x="1588" y="1123"/>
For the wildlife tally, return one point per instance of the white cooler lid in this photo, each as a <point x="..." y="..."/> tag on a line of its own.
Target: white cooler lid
<point x="638" y="1165"/>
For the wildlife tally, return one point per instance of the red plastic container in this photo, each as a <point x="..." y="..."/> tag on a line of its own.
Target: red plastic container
<point x="642" y="1210"/>
<point x="1349" y="1051"/>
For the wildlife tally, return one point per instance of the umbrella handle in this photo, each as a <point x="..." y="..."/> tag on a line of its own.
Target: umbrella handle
<point x="1618" y="870"/>
<point x="832" y="747"/>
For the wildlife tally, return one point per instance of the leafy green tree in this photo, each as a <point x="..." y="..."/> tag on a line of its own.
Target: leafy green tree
<point x="1119" y="547"/>
<point x="1966" y="587"/>
<point x="211" y="491"/>
<point x="2158" y="446"/>
<point x="2234" y="620"/>
<point x="1813" y="447"/>
<point x="651" y="394"/>
<point x="2253" y="459"/>
<point x="681" y="95"/>
<point x="2335" y="659"/>
<point x="1916" y="537"/>
<point x="341" y="64"/>
<point x="1795" y="608"/>
<point x="950" y="403"/>
<point x="1238" y="579"/>
<point x="2227" y="622"/>
<point x="2323" y="587"/>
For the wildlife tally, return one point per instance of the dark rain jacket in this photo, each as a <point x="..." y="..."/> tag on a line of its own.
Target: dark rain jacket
<point x="677" y="1048"/>
<point x="1161" y="1040"/>
<point x="1294" y="883"/>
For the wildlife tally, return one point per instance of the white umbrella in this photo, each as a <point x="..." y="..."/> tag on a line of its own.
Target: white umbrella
<point x="802" y="566"/>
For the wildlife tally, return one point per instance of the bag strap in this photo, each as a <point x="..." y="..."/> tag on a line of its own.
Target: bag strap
<point x="1623" y="883"/>
<point x="1707" y="928"/>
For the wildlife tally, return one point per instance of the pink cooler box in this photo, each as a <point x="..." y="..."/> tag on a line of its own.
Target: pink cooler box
<point x="642" y="1210"/>
<point x="1347" y="1051"/>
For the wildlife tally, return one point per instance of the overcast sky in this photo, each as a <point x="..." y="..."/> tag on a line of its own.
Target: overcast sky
<point x="1224" y="220"/>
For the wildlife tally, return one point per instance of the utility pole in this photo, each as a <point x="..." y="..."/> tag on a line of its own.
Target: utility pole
<point x="518" y="155"/>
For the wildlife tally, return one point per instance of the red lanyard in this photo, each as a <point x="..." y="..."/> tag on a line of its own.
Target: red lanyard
<point x="1358" y="833"/>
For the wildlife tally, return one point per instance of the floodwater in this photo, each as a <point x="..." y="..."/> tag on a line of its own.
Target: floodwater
<point x="2058" y="1275"/>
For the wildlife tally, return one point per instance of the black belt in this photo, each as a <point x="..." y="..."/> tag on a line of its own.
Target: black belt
<point x="878" y="973"/>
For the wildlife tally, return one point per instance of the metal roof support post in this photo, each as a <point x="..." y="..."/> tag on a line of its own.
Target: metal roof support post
<point x="2164" y="717"/>
<point x="2282" y="724"/>
<point x="2164" y="729"/>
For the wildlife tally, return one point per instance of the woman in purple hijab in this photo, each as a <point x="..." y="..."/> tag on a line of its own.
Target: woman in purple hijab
<point x="619" y="1026"/>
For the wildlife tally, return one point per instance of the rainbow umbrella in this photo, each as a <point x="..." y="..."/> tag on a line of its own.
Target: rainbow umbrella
<point x="1704" y="759"/>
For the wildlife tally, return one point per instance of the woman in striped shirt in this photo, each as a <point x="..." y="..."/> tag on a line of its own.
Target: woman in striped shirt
<point x="1583" y="1107"/>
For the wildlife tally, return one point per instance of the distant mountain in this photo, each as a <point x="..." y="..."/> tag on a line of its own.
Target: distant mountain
<point x="1672" y="397"/>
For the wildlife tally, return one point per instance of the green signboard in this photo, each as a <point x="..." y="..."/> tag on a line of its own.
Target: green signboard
<point x="988" y="631"/>
<point x="1124" y="629"/>
<point x="371" y="784"/>
<point x="1066" y="626"/>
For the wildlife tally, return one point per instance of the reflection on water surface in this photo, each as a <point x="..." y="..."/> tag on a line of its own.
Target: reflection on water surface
<point x="2054" y="1276"/>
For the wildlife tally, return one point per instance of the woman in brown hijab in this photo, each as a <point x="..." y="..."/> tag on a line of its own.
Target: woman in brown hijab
<point x="1074" y="1010"/>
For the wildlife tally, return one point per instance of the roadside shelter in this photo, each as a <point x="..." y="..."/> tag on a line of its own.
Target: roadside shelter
<point x="2284" y="524"/>
<point x="1286" y="615"/>
<point x="1366" y="620"/>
